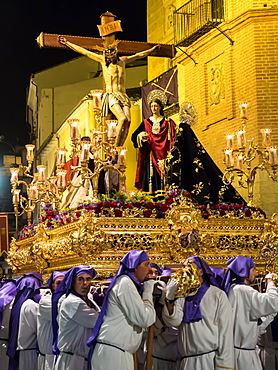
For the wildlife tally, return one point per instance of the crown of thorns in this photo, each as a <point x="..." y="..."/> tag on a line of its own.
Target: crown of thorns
<point x="157" y="95"/>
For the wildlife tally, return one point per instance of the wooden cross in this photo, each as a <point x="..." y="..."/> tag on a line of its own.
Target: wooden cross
<point x="107" y="30"/>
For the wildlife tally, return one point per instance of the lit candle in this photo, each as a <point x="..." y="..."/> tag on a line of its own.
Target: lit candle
<point x="239" y="161"/>
<point x="112" y="132"/>
<point x="61" y="156"/>
<point x="96" y="98"/>
<point x="73" y="128"/>
<point x="62" y="178"/>
<point x="240" y="135"/>
<point x="272" y="156"/>
<point x="229" y="160"/>
<point x="229" y="141"/>
<point x="14" y="174"/>
<point x="243" y="110"/>
<point x="33" y="192"/>
<point x="30" y="152"/>
<point x="16" y="193"/>
<point x="266" y="137"/>
<point x="85" y="150"/>
<point x="41" y="168"/>
<point x="122" y="156"/>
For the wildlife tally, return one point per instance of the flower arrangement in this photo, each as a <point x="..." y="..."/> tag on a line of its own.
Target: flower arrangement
<point x="137" y="205"/>
<point x="226" y="210"/>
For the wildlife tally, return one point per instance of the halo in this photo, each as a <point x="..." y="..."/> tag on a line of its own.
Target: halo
<point x="157" y="95"/>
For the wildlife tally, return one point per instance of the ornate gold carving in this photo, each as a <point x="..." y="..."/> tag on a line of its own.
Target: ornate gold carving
<point x="102" y="241"/>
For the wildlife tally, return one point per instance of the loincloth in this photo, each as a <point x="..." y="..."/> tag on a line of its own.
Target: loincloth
<point x="111" y="98"/>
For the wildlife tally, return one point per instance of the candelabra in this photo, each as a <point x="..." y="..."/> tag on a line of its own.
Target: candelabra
<point x="100" y="147"/>
<point x="240" y="153"/>
<point x="39" y="190"/>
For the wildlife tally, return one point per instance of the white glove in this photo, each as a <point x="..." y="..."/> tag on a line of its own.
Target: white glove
<point x="161" y="285"/>
<point x="270" y="276"/>
<point x="148" y="286"/>
<point x="171" y="288"/>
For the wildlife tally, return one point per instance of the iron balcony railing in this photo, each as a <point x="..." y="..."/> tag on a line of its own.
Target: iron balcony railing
<point x="196" y="18"/>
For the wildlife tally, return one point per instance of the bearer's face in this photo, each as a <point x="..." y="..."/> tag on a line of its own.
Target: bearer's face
<point x="57" y="282"/>
<point x="153" y="273"/>
<point x="253" y="274"/>
<point x="142" y="270"/>
<point x="155" y="108"/>
<point x="82" y="284"/>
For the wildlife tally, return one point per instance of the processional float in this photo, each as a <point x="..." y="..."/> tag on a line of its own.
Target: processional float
<point x="99" y="232"/>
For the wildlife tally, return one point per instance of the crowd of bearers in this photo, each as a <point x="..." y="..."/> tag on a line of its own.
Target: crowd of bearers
<point x="59" y="326"/>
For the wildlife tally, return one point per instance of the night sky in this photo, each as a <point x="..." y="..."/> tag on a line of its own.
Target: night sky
<point x="21" y="21"/>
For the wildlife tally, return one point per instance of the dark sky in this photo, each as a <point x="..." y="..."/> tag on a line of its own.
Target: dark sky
<point x="21" y="21"/>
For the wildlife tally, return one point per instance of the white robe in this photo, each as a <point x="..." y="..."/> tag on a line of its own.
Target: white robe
<point x="27" y="336"/>
<point x="267" y="349"/>
<point x="125" y="317"/>
<point x="248" y="306"/>
<point x="44" y="334"/>
<point x="165" y="354"/>
<point x="165" y="348"/>
<point x="208" y="342"/>
<point x="4" y="335"/>
<point x="76" y="321"/>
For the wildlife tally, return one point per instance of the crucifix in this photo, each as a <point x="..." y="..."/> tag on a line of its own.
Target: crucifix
<point x="115" y="99"/>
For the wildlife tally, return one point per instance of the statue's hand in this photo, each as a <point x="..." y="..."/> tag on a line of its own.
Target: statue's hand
<point x="62" y="39"/>
<point x="141" y="138"/>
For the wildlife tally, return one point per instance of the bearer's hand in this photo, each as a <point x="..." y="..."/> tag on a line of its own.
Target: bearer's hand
<point x="161" y="285"/>
<point x="171" y="288"/>
<point x="149" y="285"/>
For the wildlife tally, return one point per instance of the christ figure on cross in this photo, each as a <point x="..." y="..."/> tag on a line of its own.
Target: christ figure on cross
<point x="115" y="98"/>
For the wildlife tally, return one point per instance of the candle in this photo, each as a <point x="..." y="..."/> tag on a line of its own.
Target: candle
<point x="33" y="192"/>
<point x="122" y="156"/>
<point x="85" y="150"/>
<point x="14" y="174"/>
<point x="73" y="128"/>
<point x="240" y="135"/>
<point x="16" y="193"/>
<point x="243" y="110"/>
<point x="266" y="137"/>
<point x="272" y="156"/>
<point x="41" y="169"/>
<point x="96" y="99"/>
<point x="239" y="161"/>
<point x="229" y="141"/>
<point x="62" y="178"/>
<point x="112" y="132"/>
<point x="61" y="156"/>
<point x="30" y="152"/>
<point x="229" y="160"/>
<point x="51" y="184"/>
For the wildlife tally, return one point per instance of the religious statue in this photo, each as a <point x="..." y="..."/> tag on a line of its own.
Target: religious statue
<point x="115" y="98"/>
<point x="190" y="167"/>
<point x="154" y="137"/>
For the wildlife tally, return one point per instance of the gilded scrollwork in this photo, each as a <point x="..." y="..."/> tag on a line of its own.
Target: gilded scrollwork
<point x="102" y="241"/>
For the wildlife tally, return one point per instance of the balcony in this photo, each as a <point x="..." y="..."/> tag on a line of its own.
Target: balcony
<point x="195" y="18"/>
